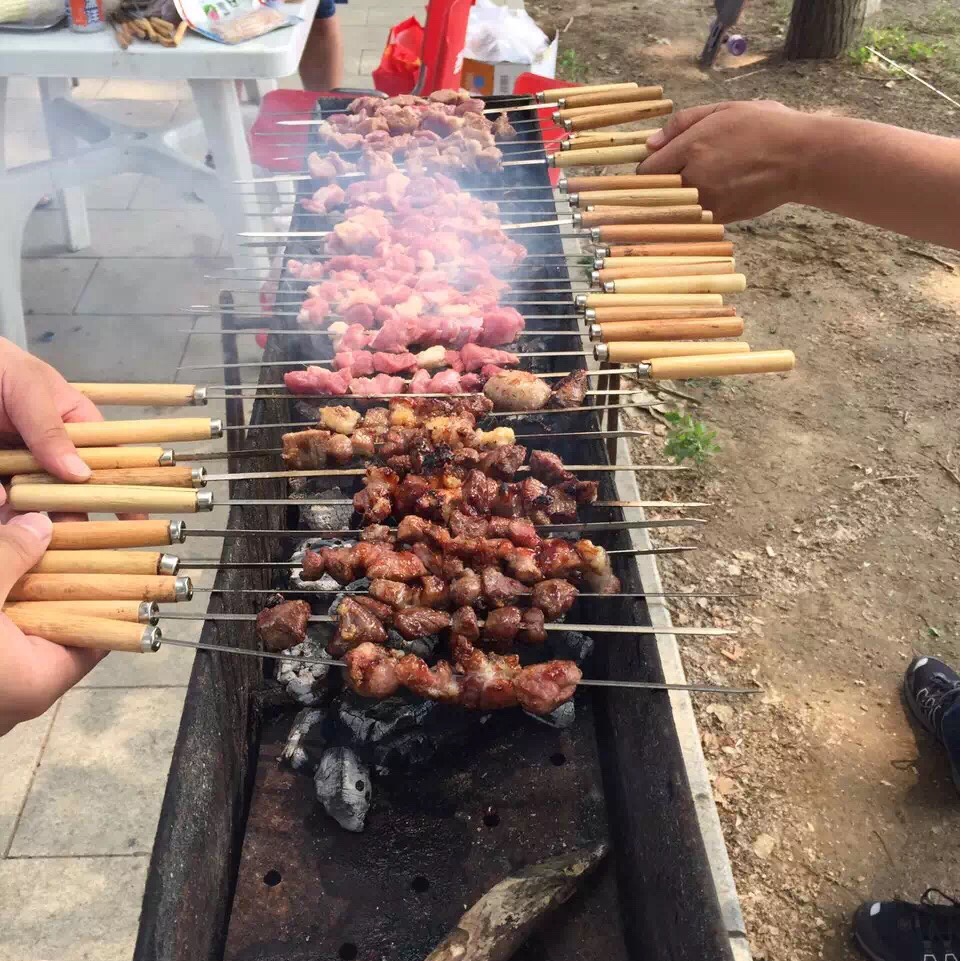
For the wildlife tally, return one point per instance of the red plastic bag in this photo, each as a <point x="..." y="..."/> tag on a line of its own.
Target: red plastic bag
<point x="400" y="63"/>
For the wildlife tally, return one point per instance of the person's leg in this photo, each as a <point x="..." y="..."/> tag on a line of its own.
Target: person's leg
<point x="322" y="64"/>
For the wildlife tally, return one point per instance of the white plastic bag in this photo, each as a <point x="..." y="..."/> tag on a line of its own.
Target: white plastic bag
<point x="496" y="33"/>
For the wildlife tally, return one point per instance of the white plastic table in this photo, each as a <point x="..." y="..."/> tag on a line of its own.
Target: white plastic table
<point x="85" y="147"/>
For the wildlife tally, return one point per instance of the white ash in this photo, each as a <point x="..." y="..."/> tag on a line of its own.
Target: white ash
<point x="342" y="782"/>
<point x="302" y="682"/>
<point x="294" y="752"/>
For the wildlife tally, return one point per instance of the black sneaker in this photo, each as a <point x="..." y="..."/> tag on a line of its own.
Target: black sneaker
<point x="901" y="931"/>
<point x="930" y="688"/>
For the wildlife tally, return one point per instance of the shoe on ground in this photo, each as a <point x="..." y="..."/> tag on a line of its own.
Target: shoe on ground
<point x="930" y="688"/>
<point x="901" y="931"/>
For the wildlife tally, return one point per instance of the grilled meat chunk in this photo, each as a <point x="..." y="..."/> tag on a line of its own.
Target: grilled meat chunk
<point x="355" y="625"/>
<point x="555" y="597"/>
<point x="283" y="625"/>
<point x="502" y="463"/>
<point x="498" y="589"/>
<point x="395" y="593"/>
<point x="501" y="627"/>
<point x="313" y="566"/>
<point x="521" y="563"/>
<point x="540" y="688"/>
<point x="434" y="592"/>
<point x="377" y="534"/>
<point x="371" y="671"/>
<point x="339" y="420"/>
<point x="399" y="566"/>
<point x="517" y="390"/>
<point x="487" y="683"/>
<point x="341" y="563"/>
<point x="571" y="391"/>
<point x="439" y="683"/>
<point x="464" y="624"/>
<point x="479" y="492"/>
<point x="305" y="449"/>
<point x="557" y="558"/>
<point x="532" y="626"/>
<point x="466" y="589"/>
<point x="414" y="622"/>
<point x="548" y="468"/>
<point x="598" y="574"/>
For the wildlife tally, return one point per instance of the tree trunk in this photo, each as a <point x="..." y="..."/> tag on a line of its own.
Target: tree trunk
<point x="822" y="29"/>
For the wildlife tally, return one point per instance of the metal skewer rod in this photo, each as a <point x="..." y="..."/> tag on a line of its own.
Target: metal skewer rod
<point x="564" y="626"/>
<point x="306" y="332"/>
<point x="632" y="551"/>
<point x="309" y="234"/>
<point x="633" y="685"/>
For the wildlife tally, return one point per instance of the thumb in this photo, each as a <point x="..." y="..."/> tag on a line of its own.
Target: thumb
<point x="22" y="543"/>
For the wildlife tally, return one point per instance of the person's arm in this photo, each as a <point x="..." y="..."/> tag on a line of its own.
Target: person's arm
<point x="35" y="402"/>
<point x="748" y="158"/>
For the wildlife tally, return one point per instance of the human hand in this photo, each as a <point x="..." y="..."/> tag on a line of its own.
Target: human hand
<point x="33" y="672"/>
<point x="745" y="158"/>
<point x="35" y="403"/>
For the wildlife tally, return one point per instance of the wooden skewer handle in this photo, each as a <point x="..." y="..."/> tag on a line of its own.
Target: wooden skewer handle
<point x="650" y="300"/>
<point x="137" y="476"/>
<point x="102" y="499"/>
<point x="552" y="95"/>
<point x="591" y="118"/>
<point x="600" y="98"/>
<point x="671" y="329"/>
<point x="99" y="562"/>
<point x="114" y="534"/>
<point x="79" y="630"/>
<point x="630" y="154"/>
<point x="664" y="270"/>
<point x="133" y="612"/>
<point x="576" y="185"/>
<point x="606" y="315"/>
<point x="159" y="431"/>
<point x="625" y="263"/>
<point x="601" y="216"/>
<point x="96" y="458"/>
<point x="674" y="249"/>
<point x="637" y="351"/>
<point x="608" y="138"/>
<point x="144" y="395"/>
<point x="705" y="284"/>
<point x="101" y="587"/>
<point x="653" y="197"/>
<point x="721" y="365"/>
<point x="671" y="233"/>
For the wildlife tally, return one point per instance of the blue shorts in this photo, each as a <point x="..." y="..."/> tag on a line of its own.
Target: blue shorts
<point x="326" y="9"/>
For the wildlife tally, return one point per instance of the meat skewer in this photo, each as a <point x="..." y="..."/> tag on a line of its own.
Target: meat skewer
<point x="564" y="626"/>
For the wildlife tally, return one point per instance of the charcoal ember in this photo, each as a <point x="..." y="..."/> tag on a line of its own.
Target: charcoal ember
<point x="305" y="411"/>
<point x="304" y="683"/>
<point x="568" y="646"/>
<point x="560" y="718"/>
<point x="320" y="517"/>
<point x="402" y="733"/>
<point x="342" y="783"/>
<point x="296" y="751"/>
<point x="421" y="646"/>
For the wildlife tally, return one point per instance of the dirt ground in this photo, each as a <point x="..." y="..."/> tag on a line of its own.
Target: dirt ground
<point x="834" y="499"/>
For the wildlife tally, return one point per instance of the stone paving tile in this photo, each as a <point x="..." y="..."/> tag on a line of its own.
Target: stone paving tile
<point x="123" y="233"/>
<point x="125" y="286"/>
<point x="25" y="146"/>
<point x="123" y="89"/>
<point x="155" y="194"/>
<point x="19" y="755"/>
<point x="368" y="60"/>
<point x="107" y="756"/>
<point x="135" y="112"/>
<point x="387" y="16"/>
<point x="54" y="286"/>
<point x="101" y="348"/>
<point x="28" y="88"/>
<point x="70" y="909"/>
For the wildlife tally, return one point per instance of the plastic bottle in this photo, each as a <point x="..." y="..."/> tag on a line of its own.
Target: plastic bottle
<point x="86" y="16"/>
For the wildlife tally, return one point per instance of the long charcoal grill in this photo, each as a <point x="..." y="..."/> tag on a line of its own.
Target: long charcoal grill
<point x="246" y="864"/>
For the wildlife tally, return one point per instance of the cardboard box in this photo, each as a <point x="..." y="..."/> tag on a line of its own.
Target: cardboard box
<point x="498" y="78"/>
